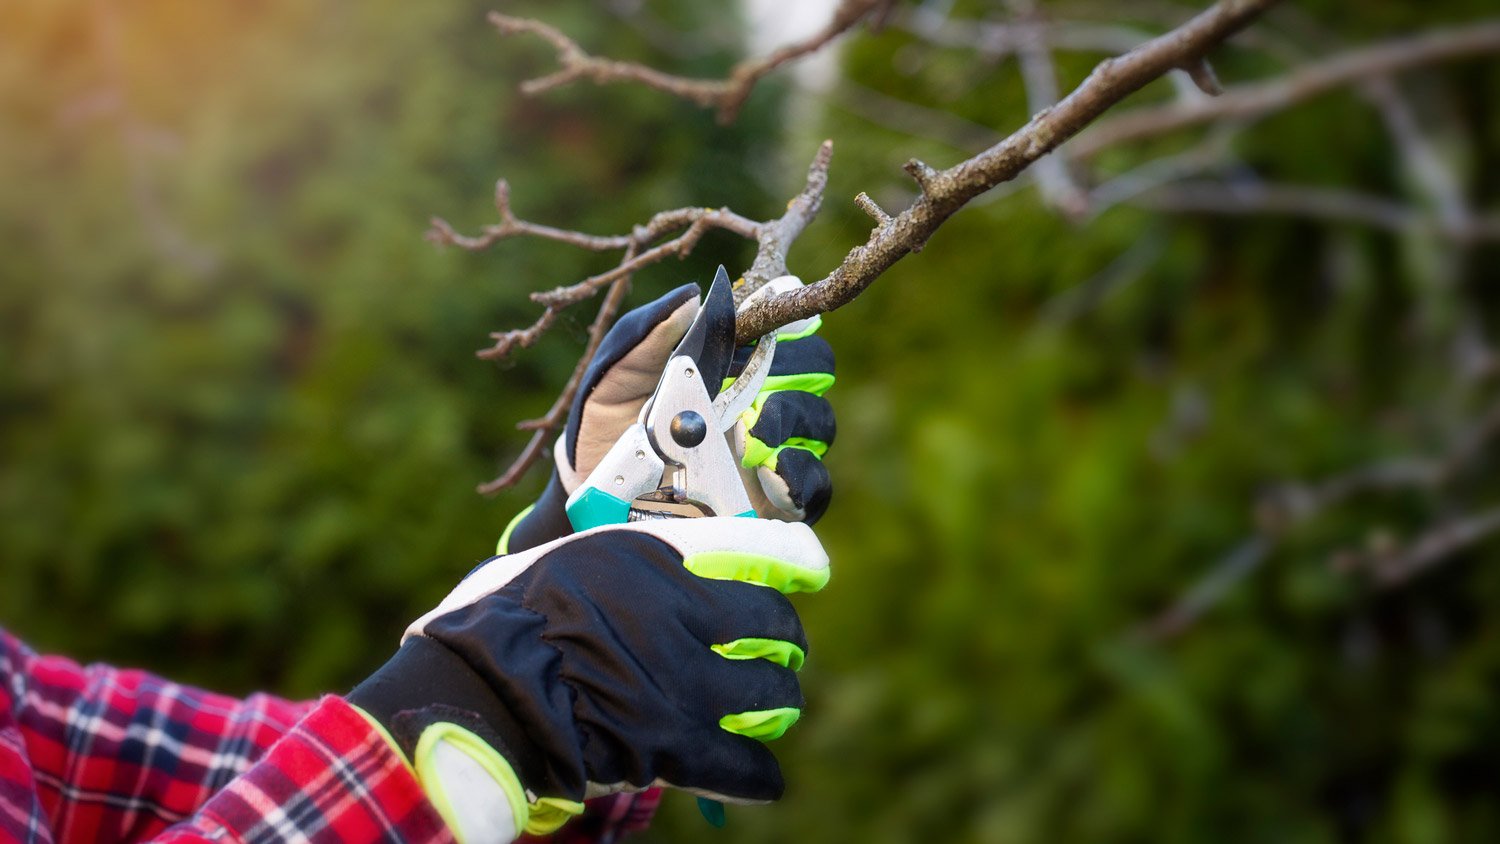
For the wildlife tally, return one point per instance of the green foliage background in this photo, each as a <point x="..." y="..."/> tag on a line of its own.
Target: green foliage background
<point x="240" y="420"/>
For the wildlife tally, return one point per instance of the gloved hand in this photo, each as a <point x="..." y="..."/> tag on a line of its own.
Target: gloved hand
<point x="781" y="445"/>
<point x="782" y="438"/>
<point x="620" y="658"/>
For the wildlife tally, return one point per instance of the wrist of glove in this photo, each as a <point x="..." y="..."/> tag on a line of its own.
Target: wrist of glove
<point x="780" y="440"/>
<point x="616" y="659"/>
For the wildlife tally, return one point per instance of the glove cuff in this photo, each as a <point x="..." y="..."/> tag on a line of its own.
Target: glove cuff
<point x="427" y="684"/>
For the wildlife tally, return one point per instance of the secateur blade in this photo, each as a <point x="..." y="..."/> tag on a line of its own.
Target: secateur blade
<point x="709" y="341"/>
<point x="741" y="393"/>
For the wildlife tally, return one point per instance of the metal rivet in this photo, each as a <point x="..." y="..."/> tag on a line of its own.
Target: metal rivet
<point x="640" y="455"/>
<point x="689" y="428"/>
<point x="619" y="480"/>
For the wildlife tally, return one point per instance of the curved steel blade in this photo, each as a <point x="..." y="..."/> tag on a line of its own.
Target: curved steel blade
<point x="709" y="341"/>
<point x="738" y="396"/>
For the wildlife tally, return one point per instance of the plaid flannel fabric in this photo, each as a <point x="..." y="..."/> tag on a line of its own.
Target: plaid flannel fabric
<point x="100" y="754"/>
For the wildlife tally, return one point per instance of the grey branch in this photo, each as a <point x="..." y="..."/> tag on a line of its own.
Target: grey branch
<point x="1291" y="504"/>
<point x="556" y="416"/>
<point x="692" y="222"/>
<point x="1253" y="101"/>
<point x="946" y="191"/>
<point x="1058" y="188"/>
<point x="943" y="192"/>
<point x="1328" y="204"/>
<point x="727" y="95"/>
<point x="773" y="237"/>
<point x="1392" y="564"/>
<point x="1434" y="178"/>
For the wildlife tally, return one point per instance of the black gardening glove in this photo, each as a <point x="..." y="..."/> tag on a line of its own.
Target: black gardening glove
<point x="618" y="659"/>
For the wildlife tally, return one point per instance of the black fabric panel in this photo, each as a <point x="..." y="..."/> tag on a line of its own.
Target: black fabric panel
<point x="547" y="521"/>
<point x="793" y="413"/>
<point x="504" y="644"/>
<point x="808" y="481"/>
<point x="749" y="611"/>
<point x="793" y="357"/>
<point x="426" y="683"/>
<point x="595" y="661"/>
<point x="757" y="685"/>
<point x="625" y="335"/>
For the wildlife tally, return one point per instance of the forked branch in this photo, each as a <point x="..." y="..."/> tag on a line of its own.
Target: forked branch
<point x="944" y="192"/>
<point x="726" y="95"/>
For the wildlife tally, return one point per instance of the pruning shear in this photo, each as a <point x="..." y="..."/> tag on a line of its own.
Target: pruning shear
<point x="674" y="460"/>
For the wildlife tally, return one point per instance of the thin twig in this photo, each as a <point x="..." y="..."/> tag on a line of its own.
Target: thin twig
<point x="1392" y="565"/>
<point x="557" y="415"/>
<point x="679" y="247"/>
<point x="1253" y="101"/>
<point x="1428" y="171"/>
<point x="1288" y="505"/>
<point x="727" y="95"/>
<point x="442" y="233"/>
<point x="946" y="191"/>
<point x="1059" y="190"/>
<point x="1212" y="152"/>
<point x="1329" y="204"/>
<point x="774" y="238"/>
<point x="1208" y="590"/>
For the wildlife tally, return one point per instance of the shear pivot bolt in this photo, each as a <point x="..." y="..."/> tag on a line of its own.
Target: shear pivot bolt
<point x="689" y="428"/>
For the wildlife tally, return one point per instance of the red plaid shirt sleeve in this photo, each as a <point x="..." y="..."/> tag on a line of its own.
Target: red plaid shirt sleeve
<point x="100" y="754"/>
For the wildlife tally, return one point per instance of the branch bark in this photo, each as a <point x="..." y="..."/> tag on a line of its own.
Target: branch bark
<point x="946" y="191"/>
<point x="727" y="95"/>
<point x="1330" y="204"/>
<point x="1254" y="101"/>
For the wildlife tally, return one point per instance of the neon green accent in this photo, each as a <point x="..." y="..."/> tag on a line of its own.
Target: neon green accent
<point x="816" y="383"/>
<point x="503" y="546"/>
<point x="770" y="572"/>
<point x="758" y="453"/>
<point x="811" y="329"/>
<point x="784" y="654"/>
<point x="763" y="725"/>
<point x="597" y="507"/>
<point x="385" y="734"/>
<point x="480" y="751"/>
<point x="550" y="813"/>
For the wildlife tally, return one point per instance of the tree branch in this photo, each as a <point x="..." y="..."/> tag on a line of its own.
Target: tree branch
<point x="1253" y="101"/>
<point x="1039" y="76"/>
<point x="727" y="95"/>
<point x="1291" y="504"/>
<point x="775" y="237"/>
<point x="944" y="192"/>
<point x="1330" y="204"/>
<point x="1392" y="565"/>
<point x="556" y="416"/>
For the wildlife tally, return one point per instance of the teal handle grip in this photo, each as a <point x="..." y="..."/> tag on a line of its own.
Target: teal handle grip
<point x="595" y="508"/>
<point x="712" y="811"/>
